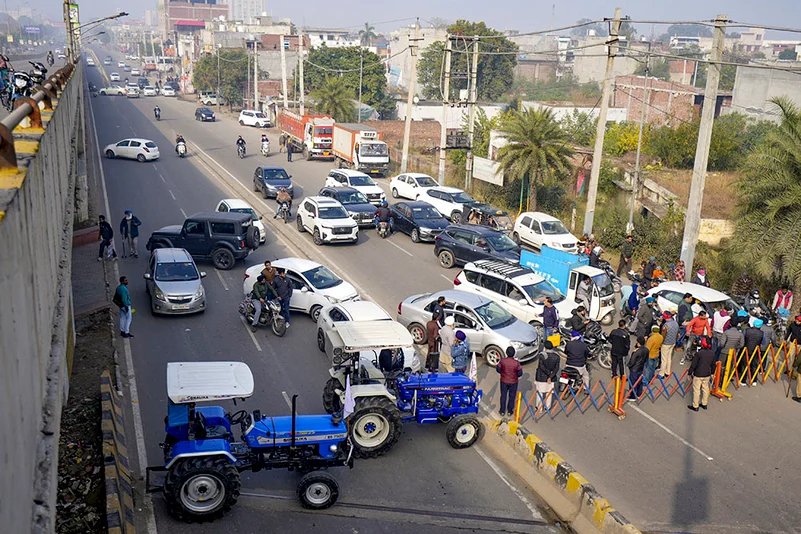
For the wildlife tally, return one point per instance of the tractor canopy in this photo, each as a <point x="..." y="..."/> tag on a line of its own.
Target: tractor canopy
<point x="191" y="382"/>
<point x="372" y="335"/>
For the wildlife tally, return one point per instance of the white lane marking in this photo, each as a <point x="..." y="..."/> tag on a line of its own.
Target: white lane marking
<point x="252" y="337"/>
<point x="446" y="278"/>
<point x="225" y="286"/>
<point x="400" y="248"/>
<point x="531" y="507"/>
<point x="289" y="401"/>
<point x="171" y="194"/>
<point x="150" y="518"/>
<point x="669" y="431"/>
<point x="183" y="213"/>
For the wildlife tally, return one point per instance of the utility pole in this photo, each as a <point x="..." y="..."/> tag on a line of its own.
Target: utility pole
<point x="283" y="74"/>
<point x="219" y="98"/>
<point x="592" y="191"/>
<point x="301" y="97"/>
<point x="443" y="135"/>
<point x="471" y="117"/>
<point x="635" y="182"/>
<point x="693" y="219"/>
<point x="256" y="106"/>
<point x="407" y="129"/>
<point x="361" y="74"/>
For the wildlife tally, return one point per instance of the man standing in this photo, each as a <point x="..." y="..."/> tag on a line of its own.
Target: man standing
<point x="446" y="338"/>
<point x="732" y="340"/>
<point x="550" y="318"/>
<point x="700" y="278"/>
<point x="510" y="371"/>
<point x="648" y="271"/>
<point x="684" y="316"/>
<point x="129" y="230"/>
<point x="793" y="339"/>
<point x="289" y="152"/>
<point x="577" y="353"/>
<point x="636" y="366"/>
<point x="439" y="310"/>
<point x="645" y="317"/>
<point x="626" y="253"/>
<point x="268" y="272"/>
<point x="283" y="288"/>
<point x="123" y="301"/>
<point x="654" y="345"/>
<point x="261" y="293"/>
<point x="700" y="371"/>
<point x="460" y="351"/>
<point x="720" y="323"/>
<point x="619" y="338"/>
<point x="753" y="338"/>
<point x="105" y="235"/>
<point x="782" y="299"/>
<point x="670" y="333"/>
<point x="432" y="334"/>
<point x="545" y="378"/>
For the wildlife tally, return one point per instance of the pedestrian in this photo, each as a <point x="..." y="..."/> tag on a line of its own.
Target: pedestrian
<point x="670" y="333"/>
<point x="122" y="300"/>
<point x="577" y="353"/>
<point x="753" y="339"/>
<point x="439" y="309"/>
<point x="626" y="252"/>
<point x="783" y="299"/>
<point x="550" y="318"/>
<point x="283" y="287"/>
<point x="637" y="362"/>
<point x="447" y="335"/>
<point x="721" y="321"/>
<point x="732" y="340"/>
<point x="619" y="338"/>
<point x="654" y="345"/>
<point x="432" y="334"/>
<point x="511" y="371"/>
<point x="768" y="340"/>
<point x="793" y="339"/>
<point x="268" y="272"/>
<point x="648" y="271"/>
<point x="545" y="378"/>
<point x="281" y="142"/>
<point x="460" y="351"/>
<point x="684" y="316"/>
<point x="645" y="317"/>
<point x="289" y="152"/>
<point x="700" y="371"/>
<point x="700" y="278"/>
<point x="129" y="231"/>
<point x="105" y="235"/>
<point x="680" y="271"/>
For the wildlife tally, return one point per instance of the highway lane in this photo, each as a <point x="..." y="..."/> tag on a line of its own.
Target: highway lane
<point x="439" y="478"/>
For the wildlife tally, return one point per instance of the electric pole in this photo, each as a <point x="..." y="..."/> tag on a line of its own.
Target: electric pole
<point x="636" y="180"/>
<point x="443" y="135"/>
<point x="592" y="191"/>
<point x="300" y="72"/>
<point x="471" y="117"/>
<point x="256" y="106"/>
<point x="361" y="69"/>
<point x="283" y="75"/>
<point x="693" y="219"/>
<point x="219" y="97"/>
<point x="407" y="130"/>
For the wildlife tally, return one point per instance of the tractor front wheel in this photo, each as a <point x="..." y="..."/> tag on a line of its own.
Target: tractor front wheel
<point x="464" y="430"/>
<point x="331" y="401"/>
<point x="318" y="490"/>
<point x="376" y="426"/>
<point x="201" y="488"/>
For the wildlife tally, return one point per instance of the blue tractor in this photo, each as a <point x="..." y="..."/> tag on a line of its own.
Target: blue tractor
<point x="202" y="460"/>
<point x="385" y="395"/>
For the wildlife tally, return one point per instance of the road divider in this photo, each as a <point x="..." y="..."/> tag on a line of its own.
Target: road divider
<point x="119" y="495"/>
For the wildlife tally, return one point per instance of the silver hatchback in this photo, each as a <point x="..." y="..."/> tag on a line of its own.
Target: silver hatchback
<point x="173" y="283"/>
<point x="489" y="327"/>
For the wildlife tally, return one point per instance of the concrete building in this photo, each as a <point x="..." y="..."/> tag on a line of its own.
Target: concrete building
<point x="431" y="110"/>
<point x="234" y="33"/>
<point x="332" y="38"/>
<point x="589" y="64"/>
<point x="188" y="16"/>
<point x="270" y="60"/>
<point x="667" y="103"/>
<point x="247" y="10"/>
<point x="400" y="59"/>
<point x="754" y="88"/>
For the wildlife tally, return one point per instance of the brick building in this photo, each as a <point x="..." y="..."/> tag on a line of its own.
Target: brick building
<point x="667" y="103"/>
<point x="188" y="16"/>
<point x="682" y="71"/>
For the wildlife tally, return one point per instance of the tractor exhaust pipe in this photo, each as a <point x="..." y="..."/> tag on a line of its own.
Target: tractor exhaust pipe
<point x="294" y="417"/>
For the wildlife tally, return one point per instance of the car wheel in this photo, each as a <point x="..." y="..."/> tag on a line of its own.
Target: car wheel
<point x="394" y="193"/>
<point x="493" y="355"/>
<point x="320" y="340"/>
<point x="415" y="235"/>
<point x="109" y="153"/>
<point x="419" y="333"/>
<point x="608" y="318"/>
<point x="223" y="259"/>
<point x="446" y="259"/>
<point x="314" y="313"/>
<point x="241" y="123"/>
<point x="140" y="158"/>
<point x="317" y="238"/>
<point x="299" y="223"/>
<point x="456" y="217"/>
<point x="255" y="185"/>
<point x="516" y="238"/>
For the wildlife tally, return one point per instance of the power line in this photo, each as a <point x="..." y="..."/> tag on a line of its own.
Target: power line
<point x="541" y="32"/>
<point x="722" y="63"/>
<point x="345" y="71"/>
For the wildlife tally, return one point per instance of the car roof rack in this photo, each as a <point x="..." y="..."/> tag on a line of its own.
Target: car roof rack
<point x="503" y="268"/>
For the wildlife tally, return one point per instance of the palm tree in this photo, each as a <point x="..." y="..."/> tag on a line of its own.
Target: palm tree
<point x="334" y="98"/>
<point x="769" y="208"/>
<point x="537" y="148"/>
<point x="367" y="35"/>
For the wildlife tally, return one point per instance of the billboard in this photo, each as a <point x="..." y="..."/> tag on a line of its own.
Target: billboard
<point x="487" y="170"/>
<point x="31" y="29"/>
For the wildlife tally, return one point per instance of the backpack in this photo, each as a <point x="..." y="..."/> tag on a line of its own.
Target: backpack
<point x="117" y="299"/>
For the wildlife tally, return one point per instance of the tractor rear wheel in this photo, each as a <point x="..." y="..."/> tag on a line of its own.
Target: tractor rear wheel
<point x="376" y="426"/>
<point x="318" y="490"/>
<point x="331" y="401"/>
<point x="201" y="488"/>
<point x="464" y="430"/>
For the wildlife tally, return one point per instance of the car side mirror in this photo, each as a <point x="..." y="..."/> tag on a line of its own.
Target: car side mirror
<point x="203" y="274"/>
<point x="147" y="276"/>
<point x="523" y="302"/>
<point x="485" y="249"/>
<point x="304" y="289"/>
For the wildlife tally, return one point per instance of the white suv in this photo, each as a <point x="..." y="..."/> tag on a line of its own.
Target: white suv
<point x="357" y="180"/>
<point x="327" y="220"/>
<point x="518" y="289"/>
<point x="249" y="117"/>
<point x="449" y="201"/>
<point x="542" y="230"/>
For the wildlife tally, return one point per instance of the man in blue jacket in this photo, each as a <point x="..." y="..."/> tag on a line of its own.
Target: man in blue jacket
<point x="129" y="230"/>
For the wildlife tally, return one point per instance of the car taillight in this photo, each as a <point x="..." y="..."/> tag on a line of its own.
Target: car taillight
<point x="399" y="307"/>
<point x="564" y="375"/>
<point x="246" y="276"/>
<point x="145" y="149"/>
<point x="456" y="280"/>
<point x="242" y="244"/>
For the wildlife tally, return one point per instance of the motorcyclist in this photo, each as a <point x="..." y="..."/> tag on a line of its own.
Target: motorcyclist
<point x="283" y="196"/>
<point x="179" y="139"/>
<point x="578" y="321"/>
<point x="261" y="293"/>
<point x="264" y="138"/>
<point x="577" y="353"/>
<point x="595" y="257"/>
<point x="754" y="305"/>
<point x="240" y="143"/>
<point x="382" y="213"/>
<point x="50" y="60"/>
<point x="157" y="112"/>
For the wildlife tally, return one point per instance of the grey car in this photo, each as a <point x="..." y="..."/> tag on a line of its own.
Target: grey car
<point x="488" y="326"/>
<point x="173" y="283"/>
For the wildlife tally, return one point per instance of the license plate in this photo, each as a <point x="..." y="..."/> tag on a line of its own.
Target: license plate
<point x="181" y="307"/>
<point x="563" y="380"/>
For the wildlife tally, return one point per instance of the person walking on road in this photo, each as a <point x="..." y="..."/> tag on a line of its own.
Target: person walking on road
<point x="432" y="333"/>
<point x="619" y="338"/>
<point x="460" y="351"/>
<point x="670" y="333"/>
<point x="439" y="309"/>
<point x="626" y="252"/>
<point x="283" y="288"/>
<point x="550" y="318"/>
<point x="289" y="152"/>
<point x="123" y="301"/>
<point x="447" y="335"/>
<point x="129" y="231"/>
<point x="545" y="378"/>
<point x="281" y="143"/>
<point x="577" y="353"/>
<point x="105" y="235"/>
<point x="700" y="371"/>
<point x="654" y="345"/>
<point x="793" y="340"/>
<point x="511" y="371"/>
<point x="637" y="363"/>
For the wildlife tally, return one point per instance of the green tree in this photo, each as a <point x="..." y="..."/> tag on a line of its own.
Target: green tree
<point x="538" y="149"/>
<point x="659" y="68"/>
<point x="233" y="73"/>
<point x="580" y="127"/>
<point x="769" y="208"/>
<point x="728" y="73"/>
<point x="496" y="62"/>
<point x="367" y="35"/>
<point x="334" y="98"/>
<point x="788" y="53"/>
<point x="688" y="30"/>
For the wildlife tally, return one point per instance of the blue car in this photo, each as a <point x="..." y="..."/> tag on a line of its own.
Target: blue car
<point x="462" y="243"/>
<point x="418" y="219"/>
<point x="269" y="180"/>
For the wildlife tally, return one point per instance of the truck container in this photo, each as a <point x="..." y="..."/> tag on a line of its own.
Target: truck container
<point x="310" y="134"/>
<point x="566" y="271"/>
<point x="357" y="146"/>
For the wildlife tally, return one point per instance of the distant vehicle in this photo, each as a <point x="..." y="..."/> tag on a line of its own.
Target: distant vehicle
<point x="90" y="62"/>
<point x="115" y="90"/>
<point x="419" y="220"/>
<point x="166" y="90"/>
<point x="204" y="114"/>
<point x="236" y="205"/>
<point x="120" y="64"/>
<point x="327" y="220"/>
<point x="107" y="60"/>
<point x="249" y="117"/>
<point x="173" y="283"/>
<point x="450" y="201"/>
<point x="131" y="91"/>
<point x="114" y="76"/>
<point x="310" y="134"/>
<point x="208" y="98"/>
<point x="135" y="148"/>
<point x="269" y="179"/>
<point x="135" y="72"/>
<point x="127" y="68"/>
<point x="540" y="229"/>
<point x="357" y="146"/>
<point x="62" y="56"/>
<point x="354" y="201"/>
<point x="149" y="90"/>
<point x="142" y="82"/>
<point x="460" y="244"/>
<point x="410" y="185"/>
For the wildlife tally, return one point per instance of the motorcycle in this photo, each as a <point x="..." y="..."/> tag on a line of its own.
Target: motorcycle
<point x="158" y="115"/>
<point x="270" y="314"/>
<point x="265" y="148"/>
<point x="283" y="211"/>
<point x="598" y="343"/>
<point x="38" y="73"/>
<point x="617" y="283"/>
<point x="570" y="378"/>
<point x="241" y="151"/>
<point x="181" y="149"/>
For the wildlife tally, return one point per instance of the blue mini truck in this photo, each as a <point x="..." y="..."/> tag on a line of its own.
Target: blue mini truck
<point x="202" y="460"/>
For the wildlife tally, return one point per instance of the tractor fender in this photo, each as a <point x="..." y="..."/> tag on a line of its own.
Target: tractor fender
<point x="371" y="390"/>
<point x="206" y="447"/>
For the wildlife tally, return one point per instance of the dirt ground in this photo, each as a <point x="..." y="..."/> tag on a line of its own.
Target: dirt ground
<point x="81" y="504"/>
<point x="719" y="194"/>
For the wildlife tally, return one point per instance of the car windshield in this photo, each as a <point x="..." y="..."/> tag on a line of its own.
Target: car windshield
<point x="373" y="149"/>
<point x="554" y="228"/>
<point x="425" y="212"/>
<point x="322" y="278"/>
<point x="333" y="212"/>
<point x="204" y="110"/>
<point x="462" y="198"/>
<point x="425" y="181"/>
<point x="361" y="180"/>
<point x="176" y="272"/>
<point x="537" y="292"/>
<point x="500" y="242"/>
<point x="275" y="174"/>
<point x="249" y="211"/>
<point x="259" y="115"/>
<point x="494" y="316"/>
<point x="352" y="197"/>
<point x="604" y="284"/>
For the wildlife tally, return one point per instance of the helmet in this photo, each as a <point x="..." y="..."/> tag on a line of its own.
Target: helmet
<point x="755" y="294"/>
<point x="384" y="203"/>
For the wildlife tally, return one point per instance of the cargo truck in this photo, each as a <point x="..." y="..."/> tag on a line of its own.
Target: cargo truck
<point x="310" y="134"/>
<point x="360" y="147"/>
<point x="566" y="271"/>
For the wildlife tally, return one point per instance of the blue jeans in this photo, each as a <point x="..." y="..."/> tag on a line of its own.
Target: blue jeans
<point x="650" y="370"/>
<point x="549" y="331"/>
<point x="125" y="320"/>
<point x="285" y="309"/>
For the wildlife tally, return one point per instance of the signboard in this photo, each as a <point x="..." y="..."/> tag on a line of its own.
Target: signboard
<point x="487" y="170"/>
<point x="31" y="29"/>
<point x="72" y="15"/>
<point x="456" y="138"/>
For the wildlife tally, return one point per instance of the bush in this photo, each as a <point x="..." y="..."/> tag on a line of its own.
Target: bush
<point x="622" y="137"/>
<point x="674" y="147"/>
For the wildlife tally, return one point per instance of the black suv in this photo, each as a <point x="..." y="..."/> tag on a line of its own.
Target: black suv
<point x="354" y="202"/>
<point x="221" y="237"/>
<point x="462" y="243"/>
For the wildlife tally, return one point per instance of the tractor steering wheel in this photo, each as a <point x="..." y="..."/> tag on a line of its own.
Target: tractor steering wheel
<point x="238" y="417"/>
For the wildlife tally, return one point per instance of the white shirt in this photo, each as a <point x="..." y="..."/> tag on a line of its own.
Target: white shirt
<point x="447" y="334"/>
<point x="720" y="322"/>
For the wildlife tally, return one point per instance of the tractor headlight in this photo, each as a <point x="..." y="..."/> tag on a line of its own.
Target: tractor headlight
<point x="333" y="448"/>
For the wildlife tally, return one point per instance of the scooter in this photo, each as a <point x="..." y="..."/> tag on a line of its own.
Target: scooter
<point x="181" y="149"/>
<point x="265" y="148"/>
<point x="241" y="151"/>
<point x="158" y="115"/>
<point x="270" y="315"/>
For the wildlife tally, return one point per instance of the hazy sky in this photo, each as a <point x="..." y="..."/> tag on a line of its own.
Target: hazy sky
<point x="501" y="14"/>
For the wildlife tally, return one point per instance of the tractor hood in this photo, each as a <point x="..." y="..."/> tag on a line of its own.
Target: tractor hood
<point x="437" y="383"/>
<point x="309" y="430"/>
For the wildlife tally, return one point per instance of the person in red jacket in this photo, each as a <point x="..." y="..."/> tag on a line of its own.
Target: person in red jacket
<point x="510" y="371"/>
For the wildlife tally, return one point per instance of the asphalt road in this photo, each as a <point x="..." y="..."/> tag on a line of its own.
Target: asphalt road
<point x="420" y="485"/>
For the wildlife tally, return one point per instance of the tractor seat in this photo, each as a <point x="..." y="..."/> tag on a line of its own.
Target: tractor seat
<point x="206" y="431"/>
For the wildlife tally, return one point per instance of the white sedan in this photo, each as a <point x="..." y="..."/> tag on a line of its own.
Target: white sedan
<point x="114" y="76"/>
<point x="167" y="91"/>
<point x="313" y="284"/>
<point x="149" y="90"/>
<point x="115" y="90"/>
<point x="139" y="149"/>
<point x="410" y="185"/>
